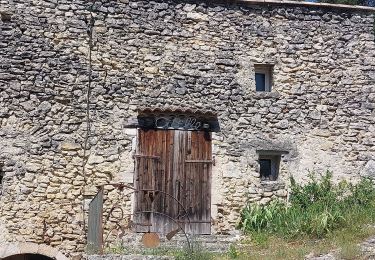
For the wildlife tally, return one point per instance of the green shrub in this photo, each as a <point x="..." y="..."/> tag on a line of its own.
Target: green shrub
<point x="315" y="209"/>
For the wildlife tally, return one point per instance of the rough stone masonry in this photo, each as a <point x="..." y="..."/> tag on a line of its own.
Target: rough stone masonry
<point x="127" y="56"/>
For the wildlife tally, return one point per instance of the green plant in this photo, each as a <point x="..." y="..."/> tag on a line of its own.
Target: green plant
<point x="115" y="249"/>
<point x="315" y="210"/>
<point x="257" y="217"/>
<point x="197" y="253"/>
<point x="233" y="252"/>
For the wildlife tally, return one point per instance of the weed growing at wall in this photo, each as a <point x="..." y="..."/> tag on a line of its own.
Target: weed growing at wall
<point x="198" y="253"/>
<point x="315" y="210"/>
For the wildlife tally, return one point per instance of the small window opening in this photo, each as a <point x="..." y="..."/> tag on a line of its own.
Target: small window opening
<point x="263" y="77"/>
<point x="269" y="167"/>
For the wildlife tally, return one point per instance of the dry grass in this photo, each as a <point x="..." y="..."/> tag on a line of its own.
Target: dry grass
<point x="343" y="243"/>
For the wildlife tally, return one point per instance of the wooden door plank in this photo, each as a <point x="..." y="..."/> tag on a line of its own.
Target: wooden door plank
<point x="199" y="164"/>
<point x="196" y="197"/>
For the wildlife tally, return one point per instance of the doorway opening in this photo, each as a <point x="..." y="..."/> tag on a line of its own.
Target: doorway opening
<point x="173" y="177"/>
<point x="28" y="257"/>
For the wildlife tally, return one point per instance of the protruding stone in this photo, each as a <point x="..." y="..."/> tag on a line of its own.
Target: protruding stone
<point x="69" y="146"/>
<point x="369" y="169"/>
<point x="197" y="16"/>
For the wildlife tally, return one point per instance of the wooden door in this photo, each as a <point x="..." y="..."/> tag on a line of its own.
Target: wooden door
<point x="173" y="180"/>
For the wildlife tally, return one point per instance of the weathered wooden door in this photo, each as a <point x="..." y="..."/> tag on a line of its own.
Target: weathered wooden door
<point x="173" y="178"/>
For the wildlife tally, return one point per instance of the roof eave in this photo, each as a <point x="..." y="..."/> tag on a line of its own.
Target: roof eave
<point x="309" y="4"/>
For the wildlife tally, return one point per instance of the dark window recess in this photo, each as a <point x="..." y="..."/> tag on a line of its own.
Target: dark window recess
<point x="260" y="81"/>
<point x="1" y="174"/>
<point x="1" y="178"/>
<point x="265" y="168"/>
<point x="269" y="167"/>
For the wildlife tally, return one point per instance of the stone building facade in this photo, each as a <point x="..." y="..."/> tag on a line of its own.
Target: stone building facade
<point x="75" y="76"/>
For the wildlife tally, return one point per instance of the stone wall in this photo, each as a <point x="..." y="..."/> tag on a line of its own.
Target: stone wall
<point x="174" y="55"/>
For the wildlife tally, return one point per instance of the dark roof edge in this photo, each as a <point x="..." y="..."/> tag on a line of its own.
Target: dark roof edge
<point x="309" y="4"/>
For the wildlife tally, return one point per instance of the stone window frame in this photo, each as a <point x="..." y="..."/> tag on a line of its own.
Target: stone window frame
<point x="275" y="158"/>
<point x="267" y="70"/>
